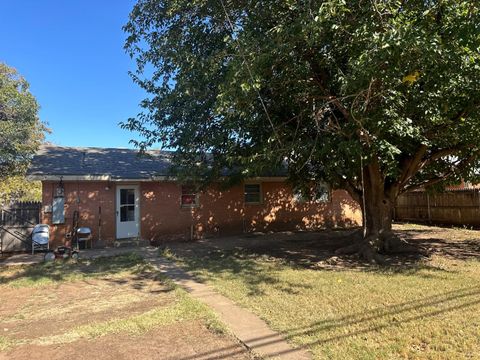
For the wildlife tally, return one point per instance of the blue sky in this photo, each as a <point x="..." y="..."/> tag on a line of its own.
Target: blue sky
<point x="71" y="53"/>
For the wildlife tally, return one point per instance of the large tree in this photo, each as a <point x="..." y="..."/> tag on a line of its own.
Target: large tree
<point x="376" y="97"/>
<point x="21" y="130"/>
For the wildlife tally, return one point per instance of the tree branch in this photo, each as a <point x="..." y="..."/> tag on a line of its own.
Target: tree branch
<point x="355" y="193"/>
<point x="411" y="164"/>
<point x="459" y="167"/>
<point x="417" y="163"/>
<point x="438" y="155"/>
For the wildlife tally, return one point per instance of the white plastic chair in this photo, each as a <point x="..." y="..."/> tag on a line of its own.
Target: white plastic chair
<point x="40" y="237"/>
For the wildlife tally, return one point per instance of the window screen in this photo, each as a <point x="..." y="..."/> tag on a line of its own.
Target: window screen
<point x="252" y="193"/>
<point x="319" y="193"/>
<point x="58" y="210"/>
<point x="322" y="192"/>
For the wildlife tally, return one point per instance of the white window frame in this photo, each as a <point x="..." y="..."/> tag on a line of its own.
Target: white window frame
<point x="195" y="195"/>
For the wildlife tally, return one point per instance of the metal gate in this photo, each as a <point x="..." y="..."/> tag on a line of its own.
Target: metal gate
<point x="18" y="217"/>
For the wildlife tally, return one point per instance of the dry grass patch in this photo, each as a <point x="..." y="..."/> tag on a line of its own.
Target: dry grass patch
<point x="5" y="343"/>
<point x="184" y="309"/>
<point x="63" y="303"/>
<point x="50" y="273"/>
<point x="424" y="309"/>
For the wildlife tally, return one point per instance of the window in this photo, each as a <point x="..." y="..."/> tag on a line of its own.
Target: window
<point x="189" y="196"/>
<point x="127" y="205"/>
<point x="299" y="197"/>
<point x="322" y="192"/>
<point x="319" y="193"/>
<point x="58" y="210"/>
<point x="252" y="194"/>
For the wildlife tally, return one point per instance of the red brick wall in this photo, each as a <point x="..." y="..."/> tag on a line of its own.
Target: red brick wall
<point x="225" y="213"/>
<point x="219" y="212"/>
<point x="86" y="197"/>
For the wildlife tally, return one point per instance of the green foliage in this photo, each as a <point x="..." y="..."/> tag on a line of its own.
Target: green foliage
<point x="17" y="188"/>
<point x="394" y="82"/>
<point x="21" y="130"/>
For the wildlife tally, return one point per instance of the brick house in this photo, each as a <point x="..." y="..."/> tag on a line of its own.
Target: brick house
<point x="120" y="195"/>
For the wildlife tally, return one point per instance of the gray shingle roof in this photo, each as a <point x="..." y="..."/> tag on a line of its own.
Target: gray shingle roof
<point x="89" y="161"/>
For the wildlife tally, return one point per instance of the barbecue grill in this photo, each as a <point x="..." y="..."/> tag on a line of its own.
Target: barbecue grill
<point x="83" y="234"/>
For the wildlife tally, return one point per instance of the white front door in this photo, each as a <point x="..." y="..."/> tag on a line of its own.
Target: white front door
<point x="128" y="211"/>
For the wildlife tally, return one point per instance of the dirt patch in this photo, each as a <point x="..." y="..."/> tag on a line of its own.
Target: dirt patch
<point x="12" y="300"/>
<point x="181" y="341"/>
<point x="55" y="309"/>
<point x="112" y="309"/>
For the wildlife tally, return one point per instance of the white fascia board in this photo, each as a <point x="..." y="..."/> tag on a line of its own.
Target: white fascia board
<point x="153" y="178"/>
<point x="130" y="180"/>
<point x="253" y="179"/>
<point x="163" y="178"/>
<point x="69" y="177"/>
<point x="266" y="179"/>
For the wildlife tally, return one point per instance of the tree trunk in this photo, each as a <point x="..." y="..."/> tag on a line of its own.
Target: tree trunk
<point x="377" y="221"/>
<point x="377" y="202"/>
<point x="377" y="210"/>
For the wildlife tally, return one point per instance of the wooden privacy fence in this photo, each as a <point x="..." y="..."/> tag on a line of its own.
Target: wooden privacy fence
<point x="453" y="207"/>
<point x="17" y="217"/>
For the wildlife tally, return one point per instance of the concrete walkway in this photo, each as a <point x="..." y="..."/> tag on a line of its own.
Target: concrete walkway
<point x="252" y="331"/>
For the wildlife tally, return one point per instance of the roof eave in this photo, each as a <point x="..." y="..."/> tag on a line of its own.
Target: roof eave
<point x="52" y="177"/>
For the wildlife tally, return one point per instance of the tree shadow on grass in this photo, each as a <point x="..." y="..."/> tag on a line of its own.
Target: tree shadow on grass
<point x="297" y="251"/>
<point x="251" y="267"/>
<point x="307" y="249"/>
<point x="315" y="251"/>
<point x="67" y="270"/>
<point x="231" y="263"/>
<point x="456" y="250"/>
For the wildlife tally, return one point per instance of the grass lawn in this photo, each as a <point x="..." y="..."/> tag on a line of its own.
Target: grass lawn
<point x="107" y="308"/>
<point x="341" y="308"/>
